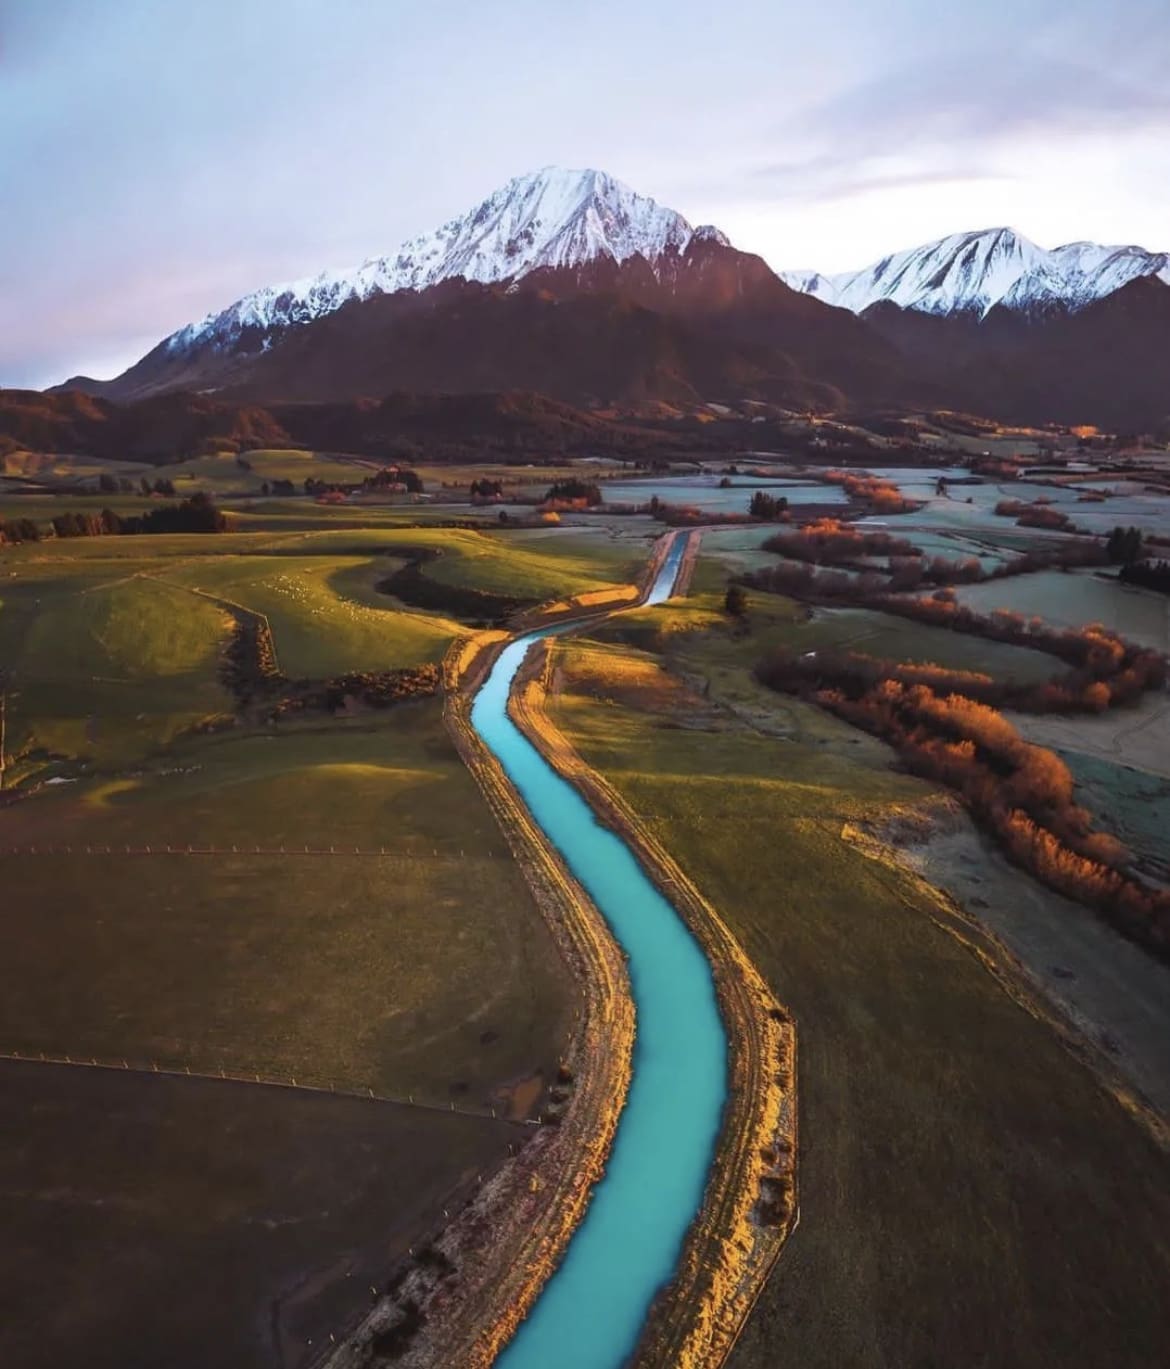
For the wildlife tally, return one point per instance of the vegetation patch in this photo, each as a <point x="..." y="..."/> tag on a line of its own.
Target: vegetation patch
<point x="903" y="1036"/>
<point x="412" y="585"/>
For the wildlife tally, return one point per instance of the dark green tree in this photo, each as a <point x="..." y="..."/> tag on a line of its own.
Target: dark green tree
<point x="735" y="601"/>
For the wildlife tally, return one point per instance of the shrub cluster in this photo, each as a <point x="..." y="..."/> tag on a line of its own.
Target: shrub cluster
<point x="768" y="507"/>
<point x="827" y="541"/>
<point x="1035" y="515"/>
<point x="1108" y="672"/>
<point x="1022" y="794"/>
<point x="574" y="491"/>
<point x="883" y="496"/>
<point x="13" y="530"/>
<point x="832" y="542"/>
<point x="374" y="689"/>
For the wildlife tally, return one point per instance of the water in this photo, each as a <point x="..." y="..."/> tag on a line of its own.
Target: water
<point x="703" y="491"/>
<point x="592" y="1310"/>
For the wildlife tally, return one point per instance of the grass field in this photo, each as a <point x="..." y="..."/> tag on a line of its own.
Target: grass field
<point x="222" y="473"/>
<point x="698" y="625"/>
<point x="969" y="1195"/>
<point x="426" y="970"/>
<point x="419" y="967"/>
<point x="1074" y="600"/>
<point x="103" y="663"/>
<point x="152" y="1221"/>
<point x="57" y="466"/>
<point x="1133" y="804"/>
<point x="112" y="647"/>
<point x="325" y="615"/>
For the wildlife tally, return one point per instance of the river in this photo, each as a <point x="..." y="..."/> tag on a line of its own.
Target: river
<point x="590" y="1313"/>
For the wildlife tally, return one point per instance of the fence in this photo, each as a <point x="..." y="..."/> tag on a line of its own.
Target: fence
<point x="124" y="1065"/>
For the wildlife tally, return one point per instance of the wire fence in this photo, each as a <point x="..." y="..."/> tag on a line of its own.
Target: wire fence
<point x="224" y="1075"/>
<point x="38" y="849"/>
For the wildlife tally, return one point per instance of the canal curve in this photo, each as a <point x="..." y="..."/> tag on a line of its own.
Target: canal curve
<point x="590" y="1313"/>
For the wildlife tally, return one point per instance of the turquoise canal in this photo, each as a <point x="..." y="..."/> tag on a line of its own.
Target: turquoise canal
<point x="592" y="1310"/>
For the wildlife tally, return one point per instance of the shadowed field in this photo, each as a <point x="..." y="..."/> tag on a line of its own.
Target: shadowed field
<point x="152" y="1221"/>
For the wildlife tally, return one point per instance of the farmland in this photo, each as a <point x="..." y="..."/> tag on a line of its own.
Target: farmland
<point x="926" y="1165"/>
<point x="211" y="884"/>
<point x="773" y="621"/>
<point x="400" y="956"/>
<point x="210" y="1223"/>
<point x="112" y="646"/>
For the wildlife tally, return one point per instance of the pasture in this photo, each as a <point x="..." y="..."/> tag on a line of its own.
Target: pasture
<point x="218" y="1222"/>
<point x="699" y="629"/>
<point x="112" y="646"/>
<point x="953" y="1154"/>
<point x="1077" y="598"/>
<point x="377" y="970"/>
<point x="189" y="1222"/>
<point x="225" y="473"/>
<point x="103" y="664"/>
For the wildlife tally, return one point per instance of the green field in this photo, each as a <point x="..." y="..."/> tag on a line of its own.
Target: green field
<point x="372" y="970"/>
<point x="155" y="1219"/>
<point x="112" y="646"/>
<point x="57" y="466"/>
<point x="698" y="627"/>
<point x="969" y="1195"/>
<point x="223" y="473"/>
<point x="325" y="614"/>
<point x="103" y="664"/>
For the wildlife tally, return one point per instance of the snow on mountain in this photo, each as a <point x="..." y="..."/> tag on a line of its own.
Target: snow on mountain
<point x="972" y="272"/>
<point x="549" y="218"/>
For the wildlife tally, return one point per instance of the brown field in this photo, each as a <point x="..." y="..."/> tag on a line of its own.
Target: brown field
<point x="151" y="1221"/>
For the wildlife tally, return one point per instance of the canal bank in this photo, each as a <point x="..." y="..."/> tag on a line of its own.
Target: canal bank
<point x="624" y="1270"/>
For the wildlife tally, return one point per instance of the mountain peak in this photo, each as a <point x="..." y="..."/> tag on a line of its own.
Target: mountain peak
<point x="971" y="273"/>
<point x="554" y="218"/>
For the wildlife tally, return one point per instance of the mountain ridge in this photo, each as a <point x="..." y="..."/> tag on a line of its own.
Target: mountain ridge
<point x="975" y="272"/>
<point x="553" y="218"/>
<point x="570" y="284"/>
<point x="566" y="282"/>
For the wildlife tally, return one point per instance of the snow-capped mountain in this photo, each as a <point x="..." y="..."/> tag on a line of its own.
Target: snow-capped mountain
<point x="971" y="273"/>
<point x="552" y="218"/>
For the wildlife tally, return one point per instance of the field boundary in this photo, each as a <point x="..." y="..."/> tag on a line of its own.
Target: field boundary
<point x="254" y="1080"/>
<point x="192" y="850"/>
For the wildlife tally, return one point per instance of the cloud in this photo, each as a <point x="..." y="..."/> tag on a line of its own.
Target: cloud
<point x="952" y="120"/>
<point x="986" y="96"/>
<point x="821" y="180"/>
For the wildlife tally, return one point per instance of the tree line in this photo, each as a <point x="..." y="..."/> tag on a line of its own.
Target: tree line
<point x="1153" y="575"/>
<point x="827" y="541"/>
<point x="197" y="514"/>
<point x="574" y="491"/>
<point x="113" y="484"/>
<point x="1021" y="794"/>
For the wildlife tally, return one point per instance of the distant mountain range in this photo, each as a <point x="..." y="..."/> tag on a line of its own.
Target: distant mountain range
<point x="972" y="273"/>
<point x="570" y="284"/>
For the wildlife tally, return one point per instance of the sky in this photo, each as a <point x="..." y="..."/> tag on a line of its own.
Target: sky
<point x="158" y="159"/>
